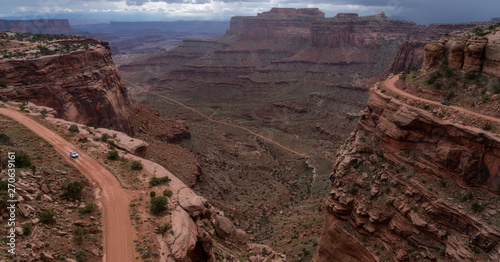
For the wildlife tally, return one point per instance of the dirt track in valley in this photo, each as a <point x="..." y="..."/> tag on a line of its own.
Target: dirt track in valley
<point x="390" y="84"/>
<point x="118" y="238"/>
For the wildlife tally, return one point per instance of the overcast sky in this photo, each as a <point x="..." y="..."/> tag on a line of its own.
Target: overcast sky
<point x="420" y="11"/>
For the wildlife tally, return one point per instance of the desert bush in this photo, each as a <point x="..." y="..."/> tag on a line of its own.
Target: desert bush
<point x="162" y="228"/>
<point x="88" y="208"/>
<point x="73" y="128"/>
<point x="152" y="194"/>
<point x="5" y="140"/>
<point x="81" y="256"/>
<point x="47" y="216"/>
<point x="104" y="137"/>
<point x="476" y="207"/>
<point x="113" y="155"/>
<point x="487" y="126"/>
<point x="136" y="165"/>
<point x="155" y="181"/>
<point x="22" y="159"/>
<point x="3" y="85"/>
<point x="79" y="234"/>
<point x="167" y="193"/>
<point x="158" y="205"/>
<point x="83" y="140"/>
<point x="27" y="229"/>
<point x="72" y="190"/>
<point x="470" y="75"/>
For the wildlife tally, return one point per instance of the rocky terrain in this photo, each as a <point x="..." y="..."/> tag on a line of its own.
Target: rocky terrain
<point x="418" y="180"/>
<point x="274" y="74"/>
<point x="75" y="76"/>
<point x="53" y="222"/>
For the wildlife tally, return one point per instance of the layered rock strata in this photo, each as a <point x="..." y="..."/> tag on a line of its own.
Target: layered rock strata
<point x="83" y="86"/>
<point x="408" y="185"/>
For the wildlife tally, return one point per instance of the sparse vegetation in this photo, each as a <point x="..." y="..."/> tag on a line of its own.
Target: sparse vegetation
<point x="88" y="208"/>
<point x="487" y="126"/>
<point x="155" y="181"/>
<point x="47" y="216"/>
<point x="158" y="205"/>
<point x="73" y="128"/>
<point x="162" y="228"/>
<point x="476" y="207"/>
<point x="113" y="155"/>
<point x="72" y="190"/>
<point x="167" y="193"/>
<point x="136" y="165"/>
<point x="22" y="159"/>
<point x="81" y="256"/>
<point x="79" y="233"/>
<point x="27" y="229"/>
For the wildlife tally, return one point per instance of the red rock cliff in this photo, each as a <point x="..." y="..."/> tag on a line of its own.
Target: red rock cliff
<point x="82" y="86"/>
<point x="408" y="185"/>
<point x="40" y="26"/>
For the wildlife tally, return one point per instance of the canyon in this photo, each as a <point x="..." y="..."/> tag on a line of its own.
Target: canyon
<point x="253" y="123"/>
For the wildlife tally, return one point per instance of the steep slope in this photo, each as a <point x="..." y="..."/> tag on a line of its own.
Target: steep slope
<point x="409" y="185"/>
<point x="75" y="76"/>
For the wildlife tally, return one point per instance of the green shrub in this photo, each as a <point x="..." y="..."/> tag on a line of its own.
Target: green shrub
<point x="72" y="190"/>
<point x="73" y="129"/>
<point x="158" y="205"/>
<point x="88" y="208"/>
<point x="476" y="207"/>
<point x="113" y="155"/>
<point x="22" y="159"/>
<point x="81" y="256"/>
<point x="167" y="193"/>
<point x="478" y="31"/>
<point x="43" y="112"/>
<point x="467" y="196"/>
<point x="152" y="194"/>
<point x="353" y="191"/>
<point x="47" y="216"/>
<point x="448" y="72"/>
<point x="487" y="126"/>
<point x="162" y="228"/>
<point x="475" y="249"/>
<point x="83" y="140"/>
<point x="27" y="229"/>
<point x="5" y="140"/>
<point x="104" y="137"/>
<point x="470" y="75"/>
<point x="136" y="165"/>
<point x="3" y="85"/>
<point x="79" y="233"/>
<point x="155" y="181"/>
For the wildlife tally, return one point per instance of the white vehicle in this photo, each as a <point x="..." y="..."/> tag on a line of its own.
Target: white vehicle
<point x="73" y="154"/>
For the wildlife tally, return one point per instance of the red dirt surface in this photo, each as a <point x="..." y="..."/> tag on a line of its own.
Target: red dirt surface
<point x="118" y="239"/>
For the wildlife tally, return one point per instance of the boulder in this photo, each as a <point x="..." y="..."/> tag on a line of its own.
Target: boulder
<point x="191" y="202"/>
<point x="224" y="227"/>
<point x="185" y="234"/>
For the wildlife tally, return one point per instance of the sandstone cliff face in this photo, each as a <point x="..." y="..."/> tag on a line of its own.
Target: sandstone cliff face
<point x="467" y="51"/>
<point x="399" y="189"/>
<point x="40" y="26"/>
<point x="82" y="86"/>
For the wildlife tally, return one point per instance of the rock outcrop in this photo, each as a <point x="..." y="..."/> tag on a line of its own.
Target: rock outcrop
<point x="408" y="185"/>
<point x="83" y="86"/>
<point x="40" y="26"/>
<point x="467" y="51"/>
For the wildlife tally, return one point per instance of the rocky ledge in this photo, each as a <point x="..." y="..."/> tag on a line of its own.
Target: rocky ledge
<point x="408" y="185"/>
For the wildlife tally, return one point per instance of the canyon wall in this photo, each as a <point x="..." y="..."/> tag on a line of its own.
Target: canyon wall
<point x="408" y="185"/>
<point x="470" y="52"/>
<point x="40" y="26"/>
<point x="83" y="86"/>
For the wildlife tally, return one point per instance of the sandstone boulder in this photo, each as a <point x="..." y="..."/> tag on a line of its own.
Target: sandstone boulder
<point x="224" y="227"/>
<point x="185" y="234"/>
<point x="191" y="202"/>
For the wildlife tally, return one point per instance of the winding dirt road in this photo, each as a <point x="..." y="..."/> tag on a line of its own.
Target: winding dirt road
<point x="118" y="239"/>
<point x="390" y="84"/>
<point x="217" y="121"/>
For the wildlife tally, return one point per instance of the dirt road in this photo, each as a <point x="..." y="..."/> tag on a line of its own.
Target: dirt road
<point x="118" y="239"/>
<point x="390" y="84"/>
